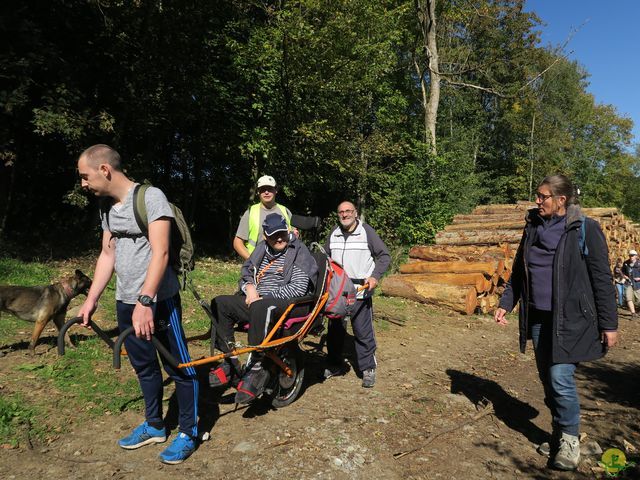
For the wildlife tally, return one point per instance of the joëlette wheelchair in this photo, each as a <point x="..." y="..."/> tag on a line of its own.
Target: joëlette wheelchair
<point x="283" y="355"/>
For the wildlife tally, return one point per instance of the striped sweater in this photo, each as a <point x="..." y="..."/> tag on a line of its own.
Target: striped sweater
<point x="269" y="278"/>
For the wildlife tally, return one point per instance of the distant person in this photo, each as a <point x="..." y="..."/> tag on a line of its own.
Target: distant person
<point x="365" y="258"/>
<point x="620" y="279"/>
<point x="631" y="269"/>
<point x="249" y="231"/>
<point x="147" y="297"/>
<point x="562" y="281"/>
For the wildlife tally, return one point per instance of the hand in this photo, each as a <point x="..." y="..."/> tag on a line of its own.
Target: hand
<point x="609" y="339"/>
<point x="249" y="301"/>
<point x="252" y="294"/>
<point x="87" y="309"/>
<point x="373" y="283"/>
<point x="500" y="316"/>
<point x="142" y="320"/>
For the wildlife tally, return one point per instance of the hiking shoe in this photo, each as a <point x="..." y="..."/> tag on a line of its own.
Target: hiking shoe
<point x="179" y="450"/>
<point x="335" y="370"/>
<point x="143" y="435"/>
<point x="550" y="448"/>
<point x="252" y="384"/>
<point x="369" y="378"/>
<point x="568" y="455"/>
<point x="223" y="375"/>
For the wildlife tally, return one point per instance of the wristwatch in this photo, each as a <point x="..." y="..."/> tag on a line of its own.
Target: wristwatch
<point x="145" y="300"/>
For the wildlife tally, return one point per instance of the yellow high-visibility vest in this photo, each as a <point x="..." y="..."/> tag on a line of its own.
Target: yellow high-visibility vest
<point x="254" y="224"/>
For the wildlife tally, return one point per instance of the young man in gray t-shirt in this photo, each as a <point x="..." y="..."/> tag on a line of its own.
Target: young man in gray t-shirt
<point x="147" y="298"/>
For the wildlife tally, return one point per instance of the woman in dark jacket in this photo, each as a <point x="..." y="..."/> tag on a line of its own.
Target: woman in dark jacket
<point x="561" y="278"/>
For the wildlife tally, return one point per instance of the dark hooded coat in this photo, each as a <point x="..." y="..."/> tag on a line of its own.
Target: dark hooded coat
<point x="583" y="295"/>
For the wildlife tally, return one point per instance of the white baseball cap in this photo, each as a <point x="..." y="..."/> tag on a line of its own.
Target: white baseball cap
<point x="266" y="181"/>
<point x="632" y="252"/>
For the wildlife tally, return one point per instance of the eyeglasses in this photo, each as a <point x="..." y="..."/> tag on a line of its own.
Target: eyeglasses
<point x="266" y="189"/>
<point x="542" y="197"/>
<point x="278" y="235"/>
<point x="345" y="212"/>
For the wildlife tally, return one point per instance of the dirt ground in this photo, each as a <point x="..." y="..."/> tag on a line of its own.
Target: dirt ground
<point x="423" y="420"/>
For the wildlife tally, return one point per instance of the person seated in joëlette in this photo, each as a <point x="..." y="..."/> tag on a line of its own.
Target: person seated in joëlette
<point x="280" y="269"/>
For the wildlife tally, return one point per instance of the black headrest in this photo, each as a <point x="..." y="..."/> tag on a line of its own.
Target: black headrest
<point x="305" y="223"/>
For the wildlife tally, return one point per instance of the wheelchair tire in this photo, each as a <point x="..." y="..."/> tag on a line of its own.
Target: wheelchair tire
<point x="286" y="388"/>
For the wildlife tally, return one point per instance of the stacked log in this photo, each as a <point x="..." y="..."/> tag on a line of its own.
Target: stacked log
<point x="468" y="267"/>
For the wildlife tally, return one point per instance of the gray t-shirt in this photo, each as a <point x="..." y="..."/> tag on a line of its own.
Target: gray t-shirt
<point x="134" y="254"/>
<point x="243" y="226"/>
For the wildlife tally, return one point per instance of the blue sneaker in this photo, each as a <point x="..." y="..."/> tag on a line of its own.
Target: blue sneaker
<point x="143" y="435"/>
<point x="179" y="450"/>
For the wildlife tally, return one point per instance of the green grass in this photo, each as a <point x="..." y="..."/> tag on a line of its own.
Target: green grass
<point x="88" y="381"/>
<point x="15" y="272"/>
<point x="18" y="421"/>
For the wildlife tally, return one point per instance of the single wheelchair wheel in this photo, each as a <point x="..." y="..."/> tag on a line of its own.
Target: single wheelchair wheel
<point x="287" y="389"/>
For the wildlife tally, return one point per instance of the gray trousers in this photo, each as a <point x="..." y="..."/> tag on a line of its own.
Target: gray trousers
<point x="364" y="336"/>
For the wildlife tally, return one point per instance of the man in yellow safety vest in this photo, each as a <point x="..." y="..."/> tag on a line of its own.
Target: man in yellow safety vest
<point x="249" y="231"/>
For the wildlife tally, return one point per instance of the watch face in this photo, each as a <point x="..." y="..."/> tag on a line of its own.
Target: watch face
<point x="145" y="300"/>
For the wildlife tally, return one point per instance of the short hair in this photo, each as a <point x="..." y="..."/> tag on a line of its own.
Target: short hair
<point x="102" y="153"/>
<point x="561" y="185"/>
<point x="347" y="201"/>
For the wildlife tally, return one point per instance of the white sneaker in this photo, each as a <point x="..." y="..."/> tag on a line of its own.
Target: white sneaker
<point x="568" y="455"/>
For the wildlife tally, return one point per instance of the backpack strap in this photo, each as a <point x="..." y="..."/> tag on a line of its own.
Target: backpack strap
<point x="140" y="208"/>
<point x="582" y="239"/>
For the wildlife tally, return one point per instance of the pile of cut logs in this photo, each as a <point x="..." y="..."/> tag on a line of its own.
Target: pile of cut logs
<point x="467" y="268"/>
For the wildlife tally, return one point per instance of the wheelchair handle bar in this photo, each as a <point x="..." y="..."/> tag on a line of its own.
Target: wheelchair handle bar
<point x="117" y="348"/>
<point x="73" y="321"/>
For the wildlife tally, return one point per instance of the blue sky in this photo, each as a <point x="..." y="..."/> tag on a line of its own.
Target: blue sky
<point x="606" y="43"/>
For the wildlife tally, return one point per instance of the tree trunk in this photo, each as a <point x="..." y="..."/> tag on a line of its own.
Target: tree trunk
<point x="479" y="281"/>
<point x="7" y="195"/>
<point x="468" y="253"/>
<point x="503" y="225"/>
<point x="487" y="268"/>
<point x="502" y="209"/>
<point x="478" y="237"/>
<point x="533" y="127"/>
<point x="459" y="299"/>
<point x="493" y="218"/>
<point x="426" y="13"/>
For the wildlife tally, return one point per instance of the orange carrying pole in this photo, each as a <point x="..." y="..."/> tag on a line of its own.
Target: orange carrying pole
<point x="268" y="343"/>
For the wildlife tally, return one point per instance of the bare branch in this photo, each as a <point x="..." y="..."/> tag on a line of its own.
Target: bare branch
<point x="477" y="87"/>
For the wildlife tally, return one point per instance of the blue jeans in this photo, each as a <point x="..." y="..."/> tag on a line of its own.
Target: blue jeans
<point x="561" y="394"/>
<point x="620" y="290"/>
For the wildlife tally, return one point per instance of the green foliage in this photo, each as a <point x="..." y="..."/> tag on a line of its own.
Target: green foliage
<point x="202" y="97"/>
<point x="426" y="193"/>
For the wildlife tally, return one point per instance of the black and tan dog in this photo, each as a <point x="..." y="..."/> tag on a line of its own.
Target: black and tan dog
<point x="43" y="303"/>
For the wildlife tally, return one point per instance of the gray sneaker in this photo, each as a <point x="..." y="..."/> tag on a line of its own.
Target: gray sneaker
<point x="568" y="455"/>
<point x="369" y="378"/>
